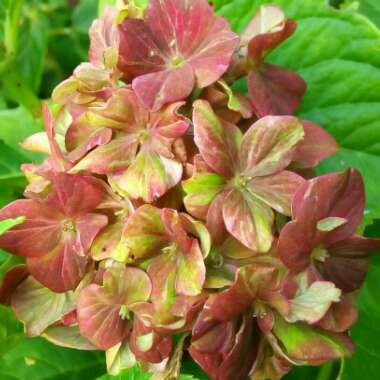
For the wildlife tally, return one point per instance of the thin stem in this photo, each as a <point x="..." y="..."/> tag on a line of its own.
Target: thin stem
<point x="325" y="373"/>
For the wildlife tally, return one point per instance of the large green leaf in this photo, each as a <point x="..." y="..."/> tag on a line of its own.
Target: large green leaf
<point x="23" y="358"/>
<point x="134" y="373"/>
<point x="337" y="52"/>
<point x="365" y="364"/>
<point x="36" y="359"/>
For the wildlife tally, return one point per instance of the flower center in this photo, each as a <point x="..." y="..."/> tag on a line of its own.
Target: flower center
<point x="240" y="181"/>
<point x="143" y="135"/>
<point x="124" y="312"/>
<point x="259" y="309"/>
<point x="319" y="254"/>
<point x="68" y="226"/>
<point x="176" y="61"/>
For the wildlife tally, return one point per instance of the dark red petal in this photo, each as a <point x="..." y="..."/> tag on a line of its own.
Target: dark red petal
<point x="40" y="232"/>
<point x="262" y="44"/>
<point x="347" y="274"/>
<point x="295" y="245"/>
<point x="317" y="145"/>
<point x="354" y="247"/>
<point x="11" y="280"/>
<point x="161" y="344"/>
<point x="332" y="195"/>
<point x="275" y="91"/>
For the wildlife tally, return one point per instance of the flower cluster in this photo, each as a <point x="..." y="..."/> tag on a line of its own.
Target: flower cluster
<point x="177" y="213"/>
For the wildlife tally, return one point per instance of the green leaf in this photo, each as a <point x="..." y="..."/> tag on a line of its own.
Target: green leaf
<point x="371" y="9"/>
<point x="134" y="373"/>
<point x="37" y="359"/>
<point x="10" y="330"/>
<point x="33" y="44"/>
<point x="338" y="54"/>
<point x="365" y="364"/>
<point x="83" y="15"/>
<point x="15" y="126"/>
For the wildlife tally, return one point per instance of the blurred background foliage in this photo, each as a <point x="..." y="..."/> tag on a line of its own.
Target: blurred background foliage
<point x="42" y="41"/>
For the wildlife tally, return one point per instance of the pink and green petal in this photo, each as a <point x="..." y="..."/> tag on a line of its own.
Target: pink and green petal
<point x="308" y="345"/>
<point x="162" y="87"/>
<point x="312" y="302"/>
<point x="269" y="144"/>
<point x="69" y="337"/>
<point x="99" y="137"/>
<point x="217" y="141"/>
<point x="148" y="345"/>
<point x="249" y="220"/>
<point x="200" y="191"/>
<point x="276" y="190"/>
<point x="144" y="233"/>
<point x="105" y="159"/>
<point x="119" y="357"/>
<point x="149" y="177"/>
<point x="103" y="311"/>
<point x="38" y="307"/>
<point x="191" y="272"/>
<point x="104" y="39"/>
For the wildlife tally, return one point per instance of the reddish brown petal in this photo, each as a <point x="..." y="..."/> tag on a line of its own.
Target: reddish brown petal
<point x="274" y="90"/>
<point x="138" y="52"/>
<point x="332" y="195"/>
<point x="295" y="246"/>
<point x="315" y="147"/>
<point x="341" y="316"/>
<point x="162" y="87"/>
<point x="354" y="247"/>
<point x="240" y="360"/>
<point x="148" y="345"/>
<point x="39" y="233"/>
<point x="62" y="268"/>
<point x="262" y="44"/>
<point x="11" y="280"/>
<point x="347" y="274"/>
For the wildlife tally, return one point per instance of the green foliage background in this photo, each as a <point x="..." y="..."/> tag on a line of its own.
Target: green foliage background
<point x="337" y="51"/>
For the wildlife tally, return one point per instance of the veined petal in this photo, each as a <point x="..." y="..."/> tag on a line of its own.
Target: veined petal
<point x="99" y="308"/>
<point x="304" y="344"/>
<point x="38" y="307"/>
<point x="162" y="87"/>
<point x="274" y="90"/>
<point x="276" y="190"/>
<point x="317" y="145"/>
<point x="311" y="303"/>
<point x="144" y="233"/>
<point x="191" y="273"/>
<point x="149" y="176"/>
<point x="268" y="145"/>
<point x="201" y="189"/>
<point x="249" y="220"/>
<point x="217" y="142"/>
<point x="117" y="154"/>
<point x="332" y="195"/>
